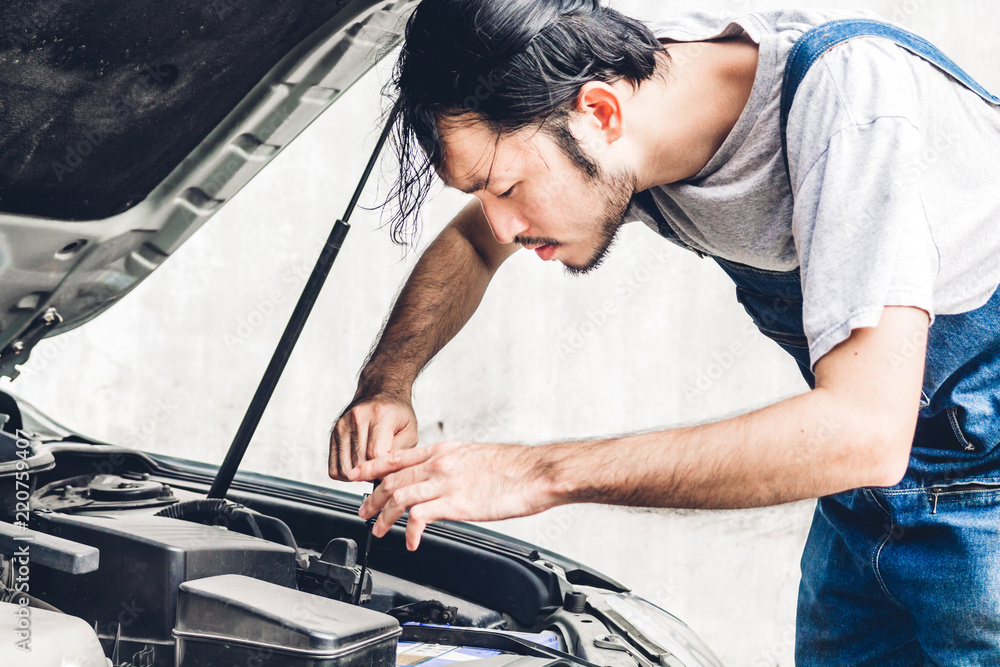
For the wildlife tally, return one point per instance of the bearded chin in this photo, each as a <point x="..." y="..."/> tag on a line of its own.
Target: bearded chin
<point x="616" y="190"/>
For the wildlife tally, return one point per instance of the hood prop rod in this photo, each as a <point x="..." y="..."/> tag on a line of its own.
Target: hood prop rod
<point x="224" y="478"/>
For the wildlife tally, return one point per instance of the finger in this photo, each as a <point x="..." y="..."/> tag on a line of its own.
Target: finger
<point x="393" y="503"/>
<point x="333" y="467"/>
<point x="384" y="465"/>
<point x="344" y="440"/>
<point x="379" y="439"/>
<point x="359" y="435"/>
<point x="375" y="502"/>
<point x="401" y="501"/>
<point x="420" y="516"/>
<point x="339" y="439"/>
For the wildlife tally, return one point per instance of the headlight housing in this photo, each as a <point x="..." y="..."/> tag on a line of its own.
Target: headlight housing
<point x="656" y="629"/>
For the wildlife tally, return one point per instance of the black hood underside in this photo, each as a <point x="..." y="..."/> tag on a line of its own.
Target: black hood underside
<point x="101" y="99"/>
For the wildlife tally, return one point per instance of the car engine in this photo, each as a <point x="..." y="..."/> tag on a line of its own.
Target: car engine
<point x="197" y="582"/>
<point x="103" y="563"/>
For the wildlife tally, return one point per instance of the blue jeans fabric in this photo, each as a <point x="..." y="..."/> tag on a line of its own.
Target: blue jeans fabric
<point x="889" y="579"/>
<point x="909" y="574"/>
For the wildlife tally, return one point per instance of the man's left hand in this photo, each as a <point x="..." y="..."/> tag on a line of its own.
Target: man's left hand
<point x="459" y="481"/>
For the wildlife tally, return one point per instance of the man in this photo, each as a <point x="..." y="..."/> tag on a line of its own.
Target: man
<point x="874" y="260"/>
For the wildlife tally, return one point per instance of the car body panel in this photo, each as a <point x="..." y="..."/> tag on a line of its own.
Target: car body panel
<point x="59" y="272"/>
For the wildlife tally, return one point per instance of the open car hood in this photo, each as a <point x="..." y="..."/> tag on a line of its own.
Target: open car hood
<point x="126" y="124"/>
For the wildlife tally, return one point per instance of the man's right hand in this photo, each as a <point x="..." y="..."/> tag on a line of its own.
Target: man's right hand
<point x="368" y="428"/>
<point x="439" y="297"/>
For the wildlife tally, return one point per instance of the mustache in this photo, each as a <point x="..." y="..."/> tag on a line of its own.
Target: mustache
<point x="539" y="240"/>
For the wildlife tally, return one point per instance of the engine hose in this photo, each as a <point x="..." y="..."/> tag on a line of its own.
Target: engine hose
<point x="190" y="510"/>
<point x="278" y="526"/>
<point x="208" y="509"/>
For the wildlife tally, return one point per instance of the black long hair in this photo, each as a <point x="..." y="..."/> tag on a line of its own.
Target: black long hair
<point x="512" y="63"/>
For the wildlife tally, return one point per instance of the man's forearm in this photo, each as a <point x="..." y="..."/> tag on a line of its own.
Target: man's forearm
<point x="803" y="447"/>
<point x="439" y="297"/>
<point x="855" y="429"/>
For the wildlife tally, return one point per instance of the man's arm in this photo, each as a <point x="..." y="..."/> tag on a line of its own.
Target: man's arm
<point x="854" y="429"/>
<point x="438" y="298"/>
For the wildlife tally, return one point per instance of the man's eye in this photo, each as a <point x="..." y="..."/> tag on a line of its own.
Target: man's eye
<point x="507" y="193"/>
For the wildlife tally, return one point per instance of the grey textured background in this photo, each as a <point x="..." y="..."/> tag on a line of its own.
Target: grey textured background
<point x="172" y="368"/>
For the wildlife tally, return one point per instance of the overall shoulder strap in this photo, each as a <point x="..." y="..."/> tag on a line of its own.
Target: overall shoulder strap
<point x="816" y="42"/>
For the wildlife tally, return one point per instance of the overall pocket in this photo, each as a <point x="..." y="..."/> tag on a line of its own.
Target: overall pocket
<point x="984" y="491"/>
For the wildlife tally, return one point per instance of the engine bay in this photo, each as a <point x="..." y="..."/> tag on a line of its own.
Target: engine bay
<point x="124" y="562"/>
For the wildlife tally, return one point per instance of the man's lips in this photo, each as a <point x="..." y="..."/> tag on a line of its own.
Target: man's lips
<point x="544" y="251"/>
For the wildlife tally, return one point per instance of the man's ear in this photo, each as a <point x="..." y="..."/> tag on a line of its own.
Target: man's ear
<point x="601" y="110"/>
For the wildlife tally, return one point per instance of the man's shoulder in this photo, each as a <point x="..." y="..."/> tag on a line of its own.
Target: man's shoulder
<point x="856" y="84"/>
<point x="875" y="77"/>
<point x="699" y="25"/>
<point x="860" y="82"/>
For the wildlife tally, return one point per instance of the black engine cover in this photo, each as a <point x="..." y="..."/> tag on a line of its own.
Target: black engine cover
<point x="144" y="559"/>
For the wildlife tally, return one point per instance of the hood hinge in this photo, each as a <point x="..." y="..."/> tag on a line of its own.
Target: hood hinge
<point x="18" y="351"/>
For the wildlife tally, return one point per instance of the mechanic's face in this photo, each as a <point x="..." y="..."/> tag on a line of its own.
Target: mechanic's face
<point x="533" y="194"/>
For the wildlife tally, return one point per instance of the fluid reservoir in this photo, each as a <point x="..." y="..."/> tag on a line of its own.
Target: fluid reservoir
<point x="41" y="638"/>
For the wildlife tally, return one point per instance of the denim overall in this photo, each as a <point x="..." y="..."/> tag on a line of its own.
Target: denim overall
<point x="908" y="574"/>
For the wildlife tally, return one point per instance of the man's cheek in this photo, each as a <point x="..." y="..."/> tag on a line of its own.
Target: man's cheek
<point x="555" y="191"/>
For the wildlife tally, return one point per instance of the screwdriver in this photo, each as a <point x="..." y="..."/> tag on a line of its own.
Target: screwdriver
<point x="368" y="546"/>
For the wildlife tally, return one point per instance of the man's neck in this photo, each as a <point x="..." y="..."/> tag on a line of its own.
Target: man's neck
<point x="682" y="118"/>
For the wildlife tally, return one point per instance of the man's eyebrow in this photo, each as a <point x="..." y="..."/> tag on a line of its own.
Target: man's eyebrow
<point x="474" y="186"/>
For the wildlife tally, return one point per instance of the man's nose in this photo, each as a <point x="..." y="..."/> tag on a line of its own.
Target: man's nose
<point x="505" y="222"/>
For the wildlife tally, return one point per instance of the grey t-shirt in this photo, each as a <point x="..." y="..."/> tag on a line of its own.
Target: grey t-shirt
<point x="894" y="170"/>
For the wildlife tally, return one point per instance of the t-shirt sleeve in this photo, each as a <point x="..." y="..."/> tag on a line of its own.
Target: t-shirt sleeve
<point x="861" y="233"/>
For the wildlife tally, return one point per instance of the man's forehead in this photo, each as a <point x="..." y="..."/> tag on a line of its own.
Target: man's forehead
<point x="474" y="153"/>
<point x="468" y="152"/>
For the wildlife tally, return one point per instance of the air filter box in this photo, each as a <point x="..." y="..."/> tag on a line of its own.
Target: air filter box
<point x="143" y="561"/>
<point x="235" y="620"/>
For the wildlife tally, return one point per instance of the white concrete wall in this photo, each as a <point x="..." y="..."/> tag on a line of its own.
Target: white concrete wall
<point x="172" y="368"/>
